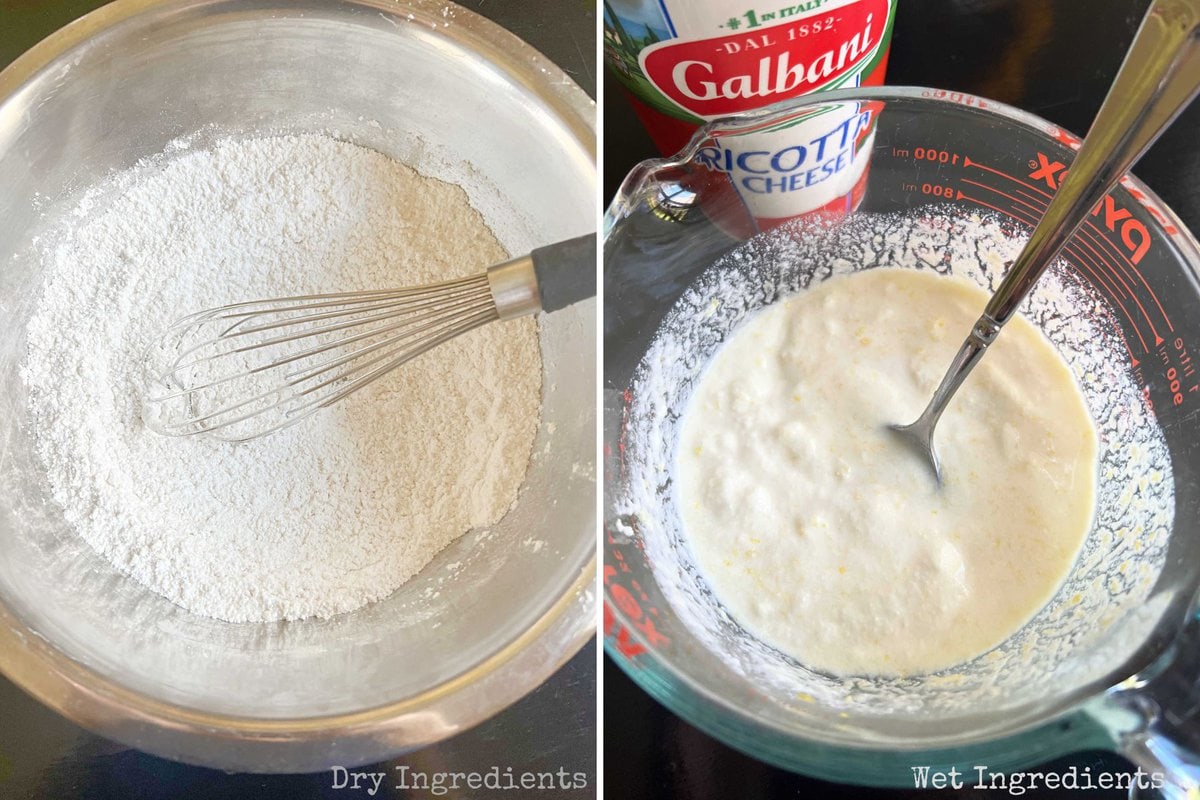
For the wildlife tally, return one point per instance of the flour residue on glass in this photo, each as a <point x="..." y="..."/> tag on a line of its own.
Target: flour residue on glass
<point x="1121" y="556"/>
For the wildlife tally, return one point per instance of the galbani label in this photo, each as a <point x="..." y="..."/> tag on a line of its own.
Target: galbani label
<point x="687" y="61"/>
<point x="742" y="71"/>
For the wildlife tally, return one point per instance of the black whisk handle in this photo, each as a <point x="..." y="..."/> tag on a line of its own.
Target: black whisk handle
<point x="566" y="271"/>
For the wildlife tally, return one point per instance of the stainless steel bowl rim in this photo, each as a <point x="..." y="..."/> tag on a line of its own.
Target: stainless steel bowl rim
<point x="104" y="705"/>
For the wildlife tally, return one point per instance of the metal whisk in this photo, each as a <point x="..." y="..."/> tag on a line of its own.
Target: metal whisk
<point x="248" y="369"/>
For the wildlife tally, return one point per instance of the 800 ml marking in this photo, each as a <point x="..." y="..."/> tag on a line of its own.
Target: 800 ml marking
<point x="937" y="190"/>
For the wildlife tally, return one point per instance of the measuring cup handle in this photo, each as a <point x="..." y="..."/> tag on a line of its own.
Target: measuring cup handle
<point x="1174" y="771"/>
<point x="1154" y="718"/>
<point x="1160" y="75"/>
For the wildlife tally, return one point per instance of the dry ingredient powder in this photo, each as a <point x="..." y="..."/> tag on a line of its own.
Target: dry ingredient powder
<point x="327" y="515"/>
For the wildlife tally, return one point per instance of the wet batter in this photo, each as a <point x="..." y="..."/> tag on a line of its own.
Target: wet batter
<point x="827" y="538"/>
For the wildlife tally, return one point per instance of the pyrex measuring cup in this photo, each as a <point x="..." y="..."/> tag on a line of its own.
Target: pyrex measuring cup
<point x="1100" y="666"/>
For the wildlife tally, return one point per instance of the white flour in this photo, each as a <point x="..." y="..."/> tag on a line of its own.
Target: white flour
<point x="336" y="511"/>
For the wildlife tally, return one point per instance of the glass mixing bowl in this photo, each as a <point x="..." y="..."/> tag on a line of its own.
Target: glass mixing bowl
<point x="1096" y="667"/>
<point x="431" y="85"/>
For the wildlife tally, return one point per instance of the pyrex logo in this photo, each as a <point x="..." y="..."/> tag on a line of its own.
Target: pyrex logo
<point x="1119" y="220"/>
<point x="806" y="163"/>
<point x="741" y="71"/>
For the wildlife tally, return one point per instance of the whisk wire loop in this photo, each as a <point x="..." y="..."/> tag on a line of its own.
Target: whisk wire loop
<point x="247" y="369"/>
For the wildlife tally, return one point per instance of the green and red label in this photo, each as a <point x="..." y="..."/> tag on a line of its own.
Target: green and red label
<point x="687" y="61"/>
<point x="762" y="64"/>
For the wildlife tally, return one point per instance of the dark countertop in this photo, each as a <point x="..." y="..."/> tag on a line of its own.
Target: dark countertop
<point x="45" y="757"/>
<point x="1054" y="58"/>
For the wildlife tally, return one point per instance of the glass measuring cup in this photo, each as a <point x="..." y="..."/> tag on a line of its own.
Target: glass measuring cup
<point x="1098" y="667"/>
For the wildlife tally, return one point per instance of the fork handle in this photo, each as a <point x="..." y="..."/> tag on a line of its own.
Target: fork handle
<point x="566" y="271"/>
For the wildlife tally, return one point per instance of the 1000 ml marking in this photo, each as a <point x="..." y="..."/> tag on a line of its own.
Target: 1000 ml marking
<point x="927" y="154"/>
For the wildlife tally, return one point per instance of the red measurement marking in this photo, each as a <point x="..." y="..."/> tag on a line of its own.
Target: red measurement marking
<point x="1157" y="339"/>
<point x="1112" y="289"/>
<point x="626" y="646"/>
<point x="1083" y="262"/>
<point x="1099" y="263"/>
<point x="1119" y="291"/>
<point x="1083" y="236"/>
<point x="967" y="162"/>
<point x="1155" y="211"/>
<point x="1112" y="215"/>
<point x="642" y="622"/>
<point x="1013" y="215"/>
<point x="1032" y="207"/>
<point x="1132" y="268"/>
<point x="1030" y="195"/>
<point x="1124" y="257"/>
<point x="1116" y="268"/>
<point x="1063" y="137"/>
<point x="1046" y="170"/>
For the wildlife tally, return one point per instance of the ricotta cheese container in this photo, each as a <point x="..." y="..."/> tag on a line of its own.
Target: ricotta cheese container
<point x="685" y="62"/>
